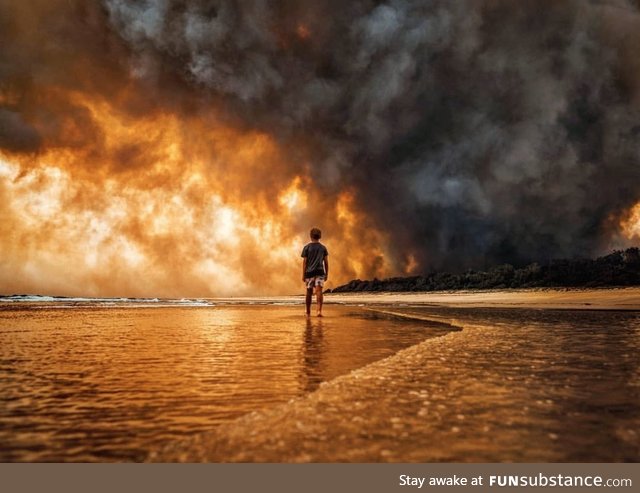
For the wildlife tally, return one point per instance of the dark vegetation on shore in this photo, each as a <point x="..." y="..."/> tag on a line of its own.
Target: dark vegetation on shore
<point x="619" y="268"/>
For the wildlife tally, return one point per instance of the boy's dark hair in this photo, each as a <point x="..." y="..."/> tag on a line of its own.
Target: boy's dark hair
<point x="315" y="234"/>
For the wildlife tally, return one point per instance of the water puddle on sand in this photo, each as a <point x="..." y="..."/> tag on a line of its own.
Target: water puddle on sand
<point x="89" y="383"/>
<point x="514" y="385"/>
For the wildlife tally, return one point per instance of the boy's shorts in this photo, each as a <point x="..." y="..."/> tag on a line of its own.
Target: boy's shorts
<point x="315" y="281"/>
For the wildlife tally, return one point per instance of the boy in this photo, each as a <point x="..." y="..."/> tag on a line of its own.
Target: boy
<point x="315" y="269"/>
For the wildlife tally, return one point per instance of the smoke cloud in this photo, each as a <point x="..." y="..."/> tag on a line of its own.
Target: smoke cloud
<point x="186" y="147"/>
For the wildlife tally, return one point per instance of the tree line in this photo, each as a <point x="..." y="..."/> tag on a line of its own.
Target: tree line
<point x="619" y="268"/>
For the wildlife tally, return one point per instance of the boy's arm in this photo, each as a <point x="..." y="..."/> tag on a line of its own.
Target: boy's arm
<point x="326" y="267"/>
<point x="304" y="267"/>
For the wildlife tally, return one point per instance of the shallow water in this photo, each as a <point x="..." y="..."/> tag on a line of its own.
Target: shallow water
<point x="513" y="385"/>
<point x="84" y="382"/>
<point x="242" y="383"/>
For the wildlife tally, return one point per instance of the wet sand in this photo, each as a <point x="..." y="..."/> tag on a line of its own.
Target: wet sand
<point x="522" y="385"/>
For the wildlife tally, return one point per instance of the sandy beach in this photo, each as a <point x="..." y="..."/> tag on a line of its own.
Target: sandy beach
<point x="543" y="298"/>
<point x="622" y="298"/>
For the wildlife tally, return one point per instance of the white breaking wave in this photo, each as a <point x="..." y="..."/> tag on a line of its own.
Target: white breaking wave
<point x="113" y="302"/>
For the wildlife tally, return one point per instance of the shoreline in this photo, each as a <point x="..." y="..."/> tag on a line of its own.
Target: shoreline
<point x="609" y="298"/>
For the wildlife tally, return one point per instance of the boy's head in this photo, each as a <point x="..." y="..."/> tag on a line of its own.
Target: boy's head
<point x="315" y="234"/>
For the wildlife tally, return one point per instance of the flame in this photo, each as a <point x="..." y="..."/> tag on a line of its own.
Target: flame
<point x="370" y="260"/>
<point x="411" y="264"/>
<point x="344" y="208"/>
<point x="294" y="197"/>
<point x="630" y="224"/>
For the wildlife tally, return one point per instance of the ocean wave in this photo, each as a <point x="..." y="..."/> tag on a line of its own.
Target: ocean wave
<point x="67" y="301"/>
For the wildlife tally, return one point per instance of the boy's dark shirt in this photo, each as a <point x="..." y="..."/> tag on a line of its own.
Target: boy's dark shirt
<point x="315" y="253"/>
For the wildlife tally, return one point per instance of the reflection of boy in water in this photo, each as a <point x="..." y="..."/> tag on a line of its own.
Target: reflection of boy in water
<point x="315" y="269"/>
<point x="314" y="366"/>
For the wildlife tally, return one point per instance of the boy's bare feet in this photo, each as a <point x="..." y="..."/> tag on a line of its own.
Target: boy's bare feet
<point x="319" y="314"/>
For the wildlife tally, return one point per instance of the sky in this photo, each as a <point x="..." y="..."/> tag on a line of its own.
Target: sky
<point x="186" y="148"/>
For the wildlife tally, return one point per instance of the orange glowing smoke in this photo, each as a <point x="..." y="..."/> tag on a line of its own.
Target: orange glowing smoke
<point x="303" y="31"/>
<point x="162" y="205"/>
<point x="630" y="224"/>
<point x="130" y="188"/>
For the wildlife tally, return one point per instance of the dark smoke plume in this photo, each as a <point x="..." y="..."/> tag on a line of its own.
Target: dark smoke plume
<point x="478" y="131"/>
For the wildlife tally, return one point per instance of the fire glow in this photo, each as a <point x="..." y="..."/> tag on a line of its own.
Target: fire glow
<point x="631" y="224"/>
<point x="185" y="148"/>
<point x="191" y="220"/>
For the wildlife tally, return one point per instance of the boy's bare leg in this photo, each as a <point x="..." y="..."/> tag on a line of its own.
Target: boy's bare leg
<point x="319" y="297"/>
<point x="308" y="301"/>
